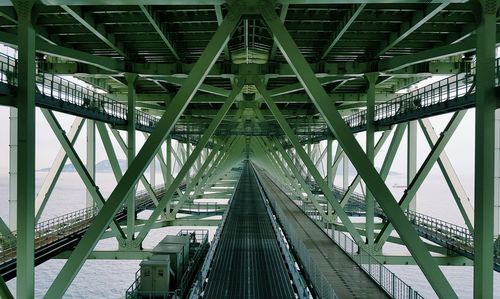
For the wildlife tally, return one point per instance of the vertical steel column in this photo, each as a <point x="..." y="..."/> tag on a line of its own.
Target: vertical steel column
<point x="484" y="150"/>
<point x="131" y="145"/>
<point x="152" y="173"/>
<point x="145" y="155"/>
<point x="345" y="171"/>
<point x="371" y="78"/>
<point x="411" y="160"/>
<point x="496" y="209"/>
<point x="329" y="170"/>
<point x="356" y="154"/>
<point x="168" y="161"/>
<point x="13" y="169"/>
<point x="26" y="150"/>
<point x="90" y="162"/>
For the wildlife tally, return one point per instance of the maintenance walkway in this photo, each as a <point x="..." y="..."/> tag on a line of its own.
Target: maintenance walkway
<point x="62" y="233"/>
<point x="326" y="258"/>
<point x="451" y="94"/>
<point x="453" y="237"/>
<point x="248" y="261"/>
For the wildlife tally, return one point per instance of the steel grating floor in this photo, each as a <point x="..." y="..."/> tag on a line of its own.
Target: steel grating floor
<point x="248" y="262"/>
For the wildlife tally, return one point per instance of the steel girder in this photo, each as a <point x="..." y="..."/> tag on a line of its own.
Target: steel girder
<point x="82" y="171"/>
<point x="55" y="170"/>
<point x="26" y="150"/>
<point x="307" y="161"/>
<point x="144" y="157"/>
<point x="423" y="171"/>
<point x="189" y="163"/>
<point x="484" y="190"/>
<point x="451" y="177"/>
<point x="368" y="172"/>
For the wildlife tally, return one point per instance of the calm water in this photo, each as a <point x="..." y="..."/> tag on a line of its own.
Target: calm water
<point x="110" y="279"/>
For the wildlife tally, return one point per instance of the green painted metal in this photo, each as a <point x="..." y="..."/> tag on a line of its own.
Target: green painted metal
<point x="409" y="260"/>
<point x="120" y="254"/>
<point x="131" y="80"/>
<point x="4" y="290"/>
<point x="417" y="20"/>
<point x="451" y="177"/>
<point x="371" y="78"/>
<point x="124" y="148"/>
<point x="392" y="150"/>
<point x="330" y="176"/>
<point x="357" y="179"/>
<point x="369" y="174"/>
<point x="55" y="170"/>
<point x="168" y="160"/>
<point x="411" y="160"/>
<point x="484" y="149"/>
<point x="144" y="157"/>
<point x="221" y="153"/>
<point x="167" y="197"/>
<point x="88" y="21"/>
<point x="90" y="162"/>
<point x="5" y="231"/>
<point x="344" y="25"/>
<point x="80" y="168"/>
<point x="193" y="182"/>
<point x="155" y="22"/>
<point x="13" y="148"/>
<point x="304" y="186"/>
<point x="422" y="173"/>
<point x="212" y="2"/>
<point x="308" y="163"/>
<point x="110" y="151"/>
<point x="227" y="163"/>
<point x="26" y="151"/>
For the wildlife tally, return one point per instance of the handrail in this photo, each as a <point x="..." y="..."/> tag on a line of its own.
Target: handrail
<point x="457" y="238"/>
<point x="200" y="235"/>
<point x="56" y="87"/>
<point x="445" y="90"/>
<point x="62" y="226"/>
<point x="200" y="207"/>
<point x="386" y="279"/>
<point x="198" y="284"/>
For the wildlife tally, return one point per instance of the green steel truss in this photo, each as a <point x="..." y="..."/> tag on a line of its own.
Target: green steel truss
<point x="274" y="90"/>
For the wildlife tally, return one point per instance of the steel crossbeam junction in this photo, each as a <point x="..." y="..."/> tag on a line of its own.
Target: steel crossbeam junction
<point x="320" y="100"/>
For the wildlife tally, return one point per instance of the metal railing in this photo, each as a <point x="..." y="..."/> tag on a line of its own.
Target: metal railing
<point x="298" y="280"/>
<point x="51" y="230"/>
<point x="68" y="92"/>
<point x="198" y="284"/>
<point x="386" y="279"/>
<point x="54" y="229"/>
<point x="200" y="207"/>
<point x="197" y="236"/>
<point x="440" y="92"/>
<point x="446" y="231"/>
<point x="454" y="237"/>
<point x="322" y="285"/>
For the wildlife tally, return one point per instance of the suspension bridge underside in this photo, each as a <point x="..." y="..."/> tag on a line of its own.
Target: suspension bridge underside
<point x="261" y="104"/>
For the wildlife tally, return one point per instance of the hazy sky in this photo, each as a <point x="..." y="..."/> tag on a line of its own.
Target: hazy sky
<point x="460" y="148"/>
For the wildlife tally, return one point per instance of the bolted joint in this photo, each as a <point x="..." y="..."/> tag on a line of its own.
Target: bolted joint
<point x="131" y="78"/>
<point x="251" y="7"/>
<point x="23" y="8"/>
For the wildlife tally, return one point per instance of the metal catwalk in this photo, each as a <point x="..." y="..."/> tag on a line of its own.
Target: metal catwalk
<point x="248" y="262"/>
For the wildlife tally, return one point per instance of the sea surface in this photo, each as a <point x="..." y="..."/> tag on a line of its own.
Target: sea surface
<point x="110" y="278"/>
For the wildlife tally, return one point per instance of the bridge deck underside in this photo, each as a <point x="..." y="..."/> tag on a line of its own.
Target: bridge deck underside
<point x="248" y="261"/>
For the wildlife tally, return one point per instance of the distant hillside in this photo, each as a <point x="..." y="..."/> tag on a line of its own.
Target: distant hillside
<point x="103" y="166"/>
